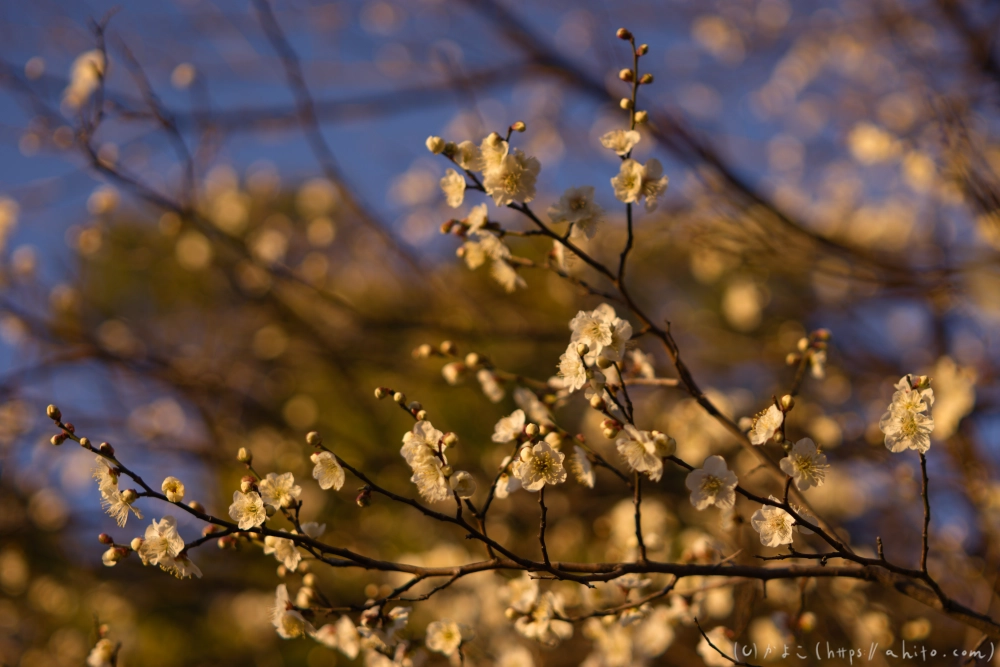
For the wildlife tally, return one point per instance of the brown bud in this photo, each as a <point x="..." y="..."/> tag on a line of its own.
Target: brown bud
<point x="104" y="538"/>
<point x="364" y="498"/>
<point x="643" y="49"/>
<point x="58" y="439"/>
<point x="646" y="78"/>
<point x="53" y="413"/>
<point x="626" y="75"/>
<point x="623" y="33"/>
<point x="106" y="449"/>
<point x="70" y="428"/>
<point x="449" y="348"/>
<point x="314" y="439"/>
<point x="196" y="506"/>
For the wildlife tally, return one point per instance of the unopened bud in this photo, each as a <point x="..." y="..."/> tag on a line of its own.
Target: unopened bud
<point x="58" y="439"/>
<point x="450" y="149"/>
<point x="364" y="498"/>
<point x="104" y="538"/>
<point x="309" y="580"/>
<point x="554" y="439"/>
<point x="519" y="126"/>
<point x="641" y="116"/>
<point x="196" y="506"/>
<point x="626" y="103"/>
<point x="243" y="455"/>
<point x="69" y="427"/>
<point x="85" y="442"/>
<point x="450" y="439"/>
<point x="510" y="613"/>
<point x="597" y="402"/>
<point x="610" y="433"/>
<point x="246" y="483"/>
<point x="399" y="397"/>
<point x="472" y="360"/>
<point x="803" y="344"/>
<point x="421" y="415"/>
<point x="415" y="406"/>
<point x="435" y="145"/>
<point x="779" y="436"/>
<point x="136" y="543"/>
<point x="270" y="511"/>
<point x="792" y="359"/>
<point x="106" y="449"/>
<point x="446" y="226"/>
<point x="423" y="351"/>
<point x="582" y="349"/>
<point x="626" y="74"/>
<point x="531" y="430"/>
<point x="623" y="33"/>
<point x="643" y="49"/>
<point x="449" y="348"/>
<point x="129" y="496"/>
<point x="314" y="439"/>
<point x="381" y="392"/>
<point x="787" y="402"/>
<point x="447" y="471"/>
<point x="53" y="413"/>
<point x="646" y="78"/>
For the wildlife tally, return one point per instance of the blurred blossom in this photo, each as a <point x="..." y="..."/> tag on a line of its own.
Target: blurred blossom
<point x="193" y="251"/>
<point x="84" y="77"/>
<point x="183" y="76"/>
<point x="719" y="37"/>
<point x="955" y="393"/>
<point x="742" y="304"/>
<point x="317" y="197"/>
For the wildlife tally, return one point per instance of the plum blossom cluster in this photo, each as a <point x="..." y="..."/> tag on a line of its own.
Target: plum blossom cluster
<point x="907" y="423"/>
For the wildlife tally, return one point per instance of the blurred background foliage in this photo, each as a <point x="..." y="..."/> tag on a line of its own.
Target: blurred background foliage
<point x="831" y="164"/>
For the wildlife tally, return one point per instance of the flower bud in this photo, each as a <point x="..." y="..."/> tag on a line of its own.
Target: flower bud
<point x="399" y="397"/>
<point x="85" y="443"/>
<point x="447" y="471"/>
<point x="58" y="439"/>
<point x="792" y="359"/>
<point x="381" y="392"/>
<point x="582" y="349"/>
<point x="531" y="430"/>
<point x="136" y="543"/>
<point x="510" y="613"/>
<point x="463" y="484"/>
<point x="449" y="348"/>
<point x="309" y="580"/>
<point x="450" y="149"/>
<point x="53" y="413"/>
<point x="270" y="511"/>
<point x="246" y="483"/>
<point x="519" y="126"/>
<point x="597" y="402"/>
<point x="421" y="415"/>
<point x="364" y="498"/>
<point x="787" y="402"/>
<point x="173" y="489"/>
<point x="106" y="449"/>
<point x="450" y="439"/>
<point x="610" y="433"/>
<point x="646" y="78"/>
<point x="803" y="344"/>
<point x="626" y="103"/>
<point x="104" y="538"/>
<point x="554" y="439"/>
<point x="314" y="439"/>
<point x="641" y="116"/>
<point x="196" y="506"/>
<point x="129" y="496"/>
<point x="415" y="406"/>
<point x="423" y="351"/>
<point x="69" y="428"/>
<point x="243" y="455"/>
<point x="623" y="33"/>
<point x="472" y="360"/>
<point x="779" y="436"/>
<point x="643" y="49"/>
<point x="435" y="145"/>
<point x="626" y="75"/>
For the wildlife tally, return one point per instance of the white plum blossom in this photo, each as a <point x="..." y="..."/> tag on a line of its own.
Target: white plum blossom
<point x="572" y="369"/>
<point x="542" y="623"/>
<point x="113" y="500"/>
<point x="578" y="208"/>
<point x="279" y="491"/>
<point x="463" y="484"/>
<point x="313" y="529"/>
<point x="103" y="653"/>
<point x="247" y="510"/>
<point x="579" y="464"/>
<point x="173" y="489"/>
<point x="423" y="440"/>
<point x="288" y="621"/>
<point x="539" y="465"/>
<point x="491" y="388"/>
<point x="492" y="151"/>
<point x="446" y="636"/>
<point x="620" y="141"/>
<point x="453" y="186"/>
<point x="428" y="475"/>
<point x="510" y="427"/>
<point x="423" y="452"/>
<point x="284" y="550"/>
<point x="635" y="181"/>
<point x="327" y="471"/>
<point x="161" y="543"/>
<point x="805" y="464"/>
<point x="342" y="636"/>
<point x="905" y="424"/>
<point x="84" y="78"/>
<point x="765" y="424"/>
<point x="644" y="450"/>
<point x="478" y="217"/>
<point x="602" y="330"/>
<point x="774" y="525"/>
<point x="512" y="179"/>
<point x="506" y="482"/>
<point x="534" y="409"/>
<point x="712" y="484"/>
<point x="506" y="275"/>
<point x="468" y="156"/>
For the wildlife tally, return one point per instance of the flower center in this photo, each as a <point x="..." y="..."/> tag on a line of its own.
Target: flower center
<point x="711" y="485"/>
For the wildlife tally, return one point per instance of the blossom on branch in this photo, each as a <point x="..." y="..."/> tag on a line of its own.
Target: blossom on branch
<point x="247" y="510"/>
<point x="538" y="466"/>
<point x="774" y="525"/>
<point x="905" y="424"/>
<point x="279" y="491"/>
<point x="713" y="484"/>
<point x="327" y="471"/>
<point x="805" y="464"/>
